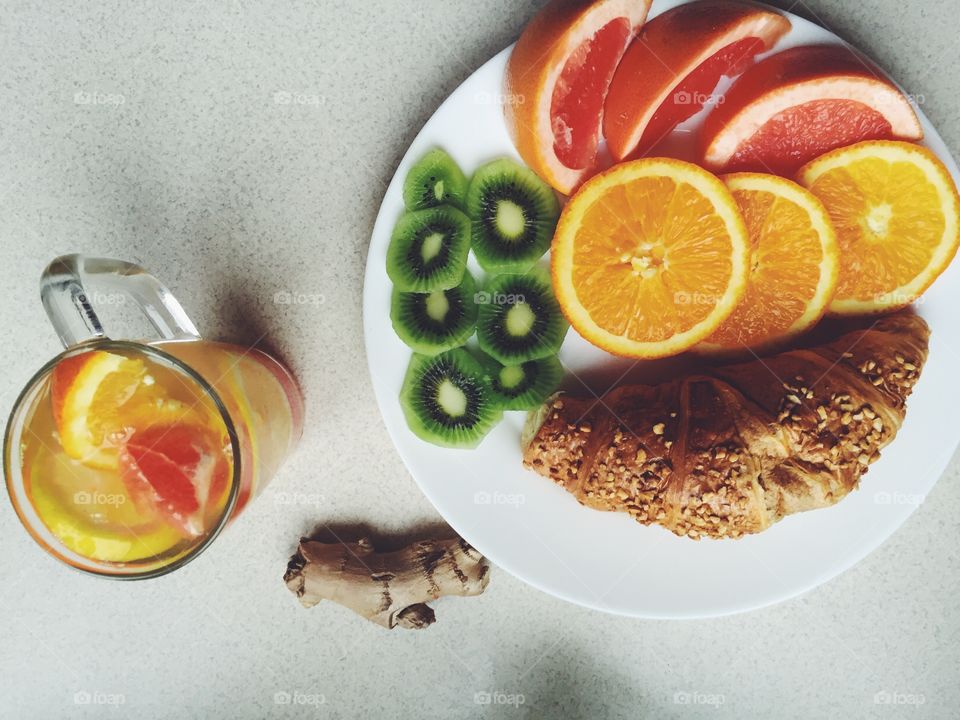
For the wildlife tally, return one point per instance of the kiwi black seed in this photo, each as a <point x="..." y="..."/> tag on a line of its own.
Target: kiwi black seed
<point x="431" y="323"/>
<point x="519" y="318"/>
<point x="514" y="216"/>
<point x="435" y="180"/>
<point x="447" y="399"/>
<point x="428" y="250"/>
<point x="524" y="386"/>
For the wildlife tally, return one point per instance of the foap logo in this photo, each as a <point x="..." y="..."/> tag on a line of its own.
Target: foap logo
<point x="498" y="498"/>
<point x="886" y="697"/>
<point x="683" y="697"/>
<point x="299" y="698"/>
<point x="499" y="697"/>
<point x="898" y="498"/>
<point x="488" y="98"/>
<point x="285" y="97"/>
<point x="98" y="498"/>
<point x="97" y="98"/>
<point x="281" y="498"/>
<point x="485" y="298"/>
<point x="102" y="299"/>
<point x="286" y="297"/>
<point x="897" y="298"/>
<point x="85" y="697"/>
<point x="683" y="97"/>
<point x="695" y="299"/>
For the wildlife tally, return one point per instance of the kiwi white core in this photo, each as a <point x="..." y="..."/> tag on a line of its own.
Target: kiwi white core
<point x="511" y="222"/>
<point x="512" y="376"/>
<point x="437" y="305"/>
<point x="520" y="319"/>
<point x="438" y="190"/>
<point x="431" y="246"/>
<point x="451" y="399"/>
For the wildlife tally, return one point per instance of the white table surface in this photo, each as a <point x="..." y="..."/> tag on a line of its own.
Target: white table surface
<point x="160" y="132"/>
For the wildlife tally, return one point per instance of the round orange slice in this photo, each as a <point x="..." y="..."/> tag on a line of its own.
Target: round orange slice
<point x="557" y="80"/>
<point x="798" y="104"/>
<point x="650" y="257"/>
<point x="671" y="70"/>
<point x="794" y="264"/>
<point x="97" y="397"/>
<point x="896" y="212"/>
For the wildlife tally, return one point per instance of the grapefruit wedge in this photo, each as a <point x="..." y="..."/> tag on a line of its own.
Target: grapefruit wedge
<point x="799" y="104"/>
<point x="557" y="80"/>
<point x="671" y="69"/>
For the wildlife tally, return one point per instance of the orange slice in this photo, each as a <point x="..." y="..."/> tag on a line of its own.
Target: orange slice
<point x="896" y="212"/>
<point x="557" y="80"/>
<point x="650" y="257"/>
<point x="98" y="397"/>
<point x="794" y="264"/>
<point x="800" y="103"/>
<point x="673" y="67"/>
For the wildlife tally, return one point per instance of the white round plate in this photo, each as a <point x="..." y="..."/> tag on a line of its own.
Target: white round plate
<point x="538" y="532"/>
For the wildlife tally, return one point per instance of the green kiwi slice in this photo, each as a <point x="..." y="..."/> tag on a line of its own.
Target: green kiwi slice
<point x="431" y="323"/>
<point x="514" y="216"/>
<point x="447" y="399"/>
<point x="435" y="180"/>
<point x="428" y="250"/>
<point x="525" y="386"/>
<point x="519" y="318"/>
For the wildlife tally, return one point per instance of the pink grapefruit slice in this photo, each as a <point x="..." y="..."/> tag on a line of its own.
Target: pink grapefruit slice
<point x="801" y="103"/>
<point x="557" y="80"/>
<point x="670" y="71"/>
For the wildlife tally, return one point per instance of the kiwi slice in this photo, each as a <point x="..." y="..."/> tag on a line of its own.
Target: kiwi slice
<point x="514" y="216"/>
<point x="519" y="318"/>
<point x="447" y="399"/>
<point x="435" y="180"/>
<point x="524" y="386"/>
<point x="428" y="250"/>
<point x="433" y="322"/>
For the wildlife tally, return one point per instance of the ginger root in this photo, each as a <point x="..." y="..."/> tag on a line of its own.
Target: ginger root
<point x="389" y="589"/>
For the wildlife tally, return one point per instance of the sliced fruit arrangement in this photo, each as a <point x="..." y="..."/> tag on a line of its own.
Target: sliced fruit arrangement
<point x="428" y="250"/>
<point x="514" y="215"/>
<point x="524" y="386"/>
<point x="98" y="398"/>
<point x="896" y="212"/>
<point x="435" y="180"/>
<point x="431" y="323"/>
<point x="561" y="69"/>
<point x="793" y="269"/>
<point x="448" y="399"/>
<point x="650" y="258"/>
<point x="672" y="69"/>
<point x="519" y="318"/>
<point x="800" y="103"/>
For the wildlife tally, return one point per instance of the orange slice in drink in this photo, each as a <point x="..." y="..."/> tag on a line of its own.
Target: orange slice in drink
<point x="98" y="397"/>
<point x="794" y="264"/>
<point x="896" y="212"/>
<point x="671" y="70"/>
<point x="650" y="257"/>
<point x="798" y="104"/>
<point x="557" y="80"/>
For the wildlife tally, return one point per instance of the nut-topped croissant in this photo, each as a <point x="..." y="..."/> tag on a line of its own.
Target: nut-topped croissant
<point x="734" y="450"/>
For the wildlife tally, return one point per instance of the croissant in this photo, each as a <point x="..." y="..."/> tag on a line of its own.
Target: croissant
<point x="732" y="451"/>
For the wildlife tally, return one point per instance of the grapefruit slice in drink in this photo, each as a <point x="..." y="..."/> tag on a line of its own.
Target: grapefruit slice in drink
<point x="799" y="104"/>
<point x="180" y="472"/>
<point x="557" y="80"/>
<point x="671" y="69"/>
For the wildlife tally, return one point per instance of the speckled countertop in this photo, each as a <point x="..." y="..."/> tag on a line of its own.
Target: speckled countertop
<point x="188" y="161"/>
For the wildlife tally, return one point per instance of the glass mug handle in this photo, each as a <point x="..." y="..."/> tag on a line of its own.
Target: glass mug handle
<point x="64" y="296"/>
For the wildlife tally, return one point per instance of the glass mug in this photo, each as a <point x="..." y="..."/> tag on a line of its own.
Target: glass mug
<point x="126" y="459"/>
